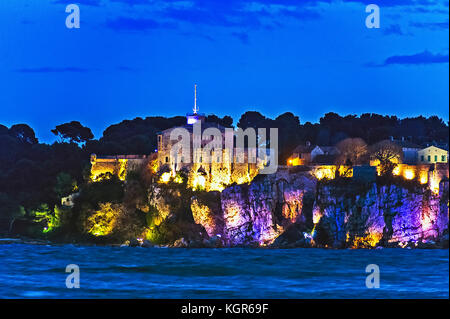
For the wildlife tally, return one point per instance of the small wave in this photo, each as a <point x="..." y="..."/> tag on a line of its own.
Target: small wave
<point x="36" y="294"/>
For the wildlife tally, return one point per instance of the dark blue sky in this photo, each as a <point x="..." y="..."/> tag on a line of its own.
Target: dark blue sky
<point x="141" y="58"/>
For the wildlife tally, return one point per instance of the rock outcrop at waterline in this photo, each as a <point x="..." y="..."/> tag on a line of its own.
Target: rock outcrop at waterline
<point x="257" y="213"/>
<point x="295" y="210"/>
<point x="388" y="215"/>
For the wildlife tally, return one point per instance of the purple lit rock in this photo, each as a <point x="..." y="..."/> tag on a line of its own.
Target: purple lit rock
<point x="260" y="212"/>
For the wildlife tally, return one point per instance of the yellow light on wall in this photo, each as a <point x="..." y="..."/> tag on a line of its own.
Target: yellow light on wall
<point x="326" y="171"/>
<point x="408" y="174"/>
<point x="345" y="171"/>
<point x="165" y="177"/>
<point x="396" y="171"/>
<point x="434" y="184"/>
<point x="294" y="162"/>
<point x="319" y="174"/>
<point x="178" y="179"/>
<point x="122" y="169"/>
<point x="378" y="170"/>
<point x="423" y="178"/>
<point x="201" y="181"/>
<point x="154" y="166"/>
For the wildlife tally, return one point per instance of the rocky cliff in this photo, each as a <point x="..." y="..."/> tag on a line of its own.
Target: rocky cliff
<point x="295" y="210"/>
<point x="387" y="215"/>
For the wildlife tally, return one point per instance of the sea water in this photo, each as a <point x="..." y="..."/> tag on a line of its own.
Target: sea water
<point x="34" y="271"/>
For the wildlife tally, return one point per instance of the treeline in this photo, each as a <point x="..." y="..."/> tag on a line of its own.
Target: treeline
<point x="33" y="173"/>
<point x="333" y="128"/>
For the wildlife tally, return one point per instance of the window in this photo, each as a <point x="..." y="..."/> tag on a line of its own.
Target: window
<point x="167" y="159"/>
<point x="435" y="158"/>
<point x="422" y="158"/>
<point x="443" y="158"/>
<point x="429" y="158"/>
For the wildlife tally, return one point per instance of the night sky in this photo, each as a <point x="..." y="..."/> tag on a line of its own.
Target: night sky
<point x="138" y="58"/>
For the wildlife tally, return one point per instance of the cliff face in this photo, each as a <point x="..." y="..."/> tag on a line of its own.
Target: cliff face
<point x="386" y="215"/>
<point x="258" y="213"/>
<point x="295" y="210"/>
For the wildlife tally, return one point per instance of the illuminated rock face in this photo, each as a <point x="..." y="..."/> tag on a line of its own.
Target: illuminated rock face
<point x="355" y="216"/>
<point x="249" y="214"/>
<point x="389" y="214"/>
<point x="208" y="216"/>
<point x="422" y="217"/>
<point x="258" y="213"/>
<point x="203" y="216"/>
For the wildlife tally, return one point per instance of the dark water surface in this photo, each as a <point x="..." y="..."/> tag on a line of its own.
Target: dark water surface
<point x="28" y="271"/>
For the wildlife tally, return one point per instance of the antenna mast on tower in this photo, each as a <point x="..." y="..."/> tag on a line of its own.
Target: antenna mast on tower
<point x="195" y="99"/>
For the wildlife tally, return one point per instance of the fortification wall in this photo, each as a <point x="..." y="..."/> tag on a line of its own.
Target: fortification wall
<point x="115" y="165"/>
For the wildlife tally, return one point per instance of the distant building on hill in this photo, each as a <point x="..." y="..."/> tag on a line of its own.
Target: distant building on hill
<point x="307" y="154"/>
<point x="409" y="149"/>
<point x="432" y="155"/>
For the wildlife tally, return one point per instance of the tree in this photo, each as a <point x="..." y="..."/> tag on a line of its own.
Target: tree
<point x="288" y="119"/>
<point x="24" y="133"/>
<point x="74" y="132"/>
<point x="226" y="121"/>
<point x="65" y="185"/>
<point x="352" y="151"/>
<point x="10" y="210"/>
<point x="388" y="154"/>
<point x="103" y="221"/>
<point x="288" y="134"/>
<point x="3" y="130"/>
<point x="52" y="218"/>
<point x="251" y="119"/>
<point x="331" y="120"/>
<point x="323" y="136"/>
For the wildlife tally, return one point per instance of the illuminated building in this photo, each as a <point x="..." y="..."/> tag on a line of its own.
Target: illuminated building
<point x="431" y="155"/>
<point x="221" y="166"/>
<point x="117" y="165"/>
<point x="312" y="154"/>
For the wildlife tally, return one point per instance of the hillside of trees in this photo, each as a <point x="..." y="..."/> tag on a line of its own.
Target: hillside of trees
<point x="35" y="175"/>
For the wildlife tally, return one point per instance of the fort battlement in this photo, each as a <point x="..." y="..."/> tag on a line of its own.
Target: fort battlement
<point x="115" y="164"/>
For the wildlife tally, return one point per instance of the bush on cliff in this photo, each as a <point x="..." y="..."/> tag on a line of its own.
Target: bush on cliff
<point x="172" y="229"/>
<point x="108" y="190"/>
